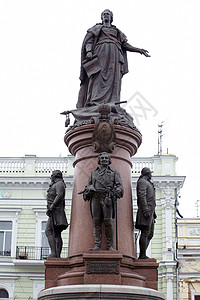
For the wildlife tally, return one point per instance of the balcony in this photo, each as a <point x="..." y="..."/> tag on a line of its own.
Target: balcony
<point x="5" y="253"/>
<point x="36" y="253"/>
<point x="45" y="165"/>
<point x="38" y="165"/>
<point x="141" y="162"/>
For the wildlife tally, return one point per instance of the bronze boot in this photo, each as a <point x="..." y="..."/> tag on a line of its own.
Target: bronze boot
<point x="109" y="233"/>
<point x="97" y="235"/>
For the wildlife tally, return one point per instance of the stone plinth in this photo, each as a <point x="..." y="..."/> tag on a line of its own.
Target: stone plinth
<point x="103" y="267"/>
<point x="88" y="269"/>
<point x="97" y="291"/>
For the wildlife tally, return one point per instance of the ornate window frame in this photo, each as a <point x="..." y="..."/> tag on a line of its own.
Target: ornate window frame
<point x="40" y="217"/>
<point x="9" y="287"/>
<point x="11" y="214"/>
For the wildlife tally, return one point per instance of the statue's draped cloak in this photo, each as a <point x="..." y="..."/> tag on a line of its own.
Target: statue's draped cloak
<point x="107" y="45"/>
<point x="119" y="115"/>
<point x="145" y="201"/>
<point x="56" y="194"/>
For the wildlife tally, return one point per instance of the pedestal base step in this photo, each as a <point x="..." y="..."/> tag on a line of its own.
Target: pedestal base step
<point x="97" y="291"/>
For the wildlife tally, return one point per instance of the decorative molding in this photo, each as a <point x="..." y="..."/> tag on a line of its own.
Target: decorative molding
<point x="28" y="264"/>
<point x="32" y="202"/>
<point x="168" y="192"/>
<point x="193" y="231"/>
<point x="20" y="182"/>
<point x="37" y="287"/>
<point x="164" y="181"/>
<point x="9" y="287"/>
<point x="191" y="276"/>
<point x="167" y="264"/>
<point x="10" y="210"/>
<point x="38" y="277"/>
<point x="6" y="194"/>
<point x="170" y="276"/>
<point x="168" y="197"/>
<point x="16" y="275"/>
<point x="167" y="203"/>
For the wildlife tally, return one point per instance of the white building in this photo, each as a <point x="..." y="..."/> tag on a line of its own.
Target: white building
<point x="23" y="245"/>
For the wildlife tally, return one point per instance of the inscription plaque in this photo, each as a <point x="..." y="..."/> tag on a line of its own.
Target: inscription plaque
<point x="102" y="267"/>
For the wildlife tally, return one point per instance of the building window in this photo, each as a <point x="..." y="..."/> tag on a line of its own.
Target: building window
<point x="41" y="242"/>
<point x="3" y="294"/>
<point x="197" y="297"/>
<point x="44" y="242"/>
<point x="5" y="238"/>
<point x="44" y="238"/>
<point x="8" y="231"/>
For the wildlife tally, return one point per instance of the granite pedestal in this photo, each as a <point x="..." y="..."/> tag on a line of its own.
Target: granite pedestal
<point x="94" y="274"/>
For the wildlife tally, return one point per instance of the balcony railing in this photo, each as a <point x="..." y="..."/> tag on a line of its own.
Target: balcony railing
<point x="141" y="162"/>
<point x="12" y="165"/>
<point x="36" y="253"/>
<point x="5" y="253"/>
<point x="39" y="164"/>
<point x="47" y="165"/>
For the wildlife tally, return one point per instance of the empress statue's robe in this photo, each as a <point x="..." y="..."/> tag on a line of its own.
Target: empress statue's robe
<point x="101" y="76"/>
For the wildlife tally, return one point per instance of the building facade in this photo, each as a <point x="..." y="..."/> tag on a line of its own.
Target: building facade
<point x="188" y="255"/>
<point x="163" y="245"/>
<point x="23" y="245"/>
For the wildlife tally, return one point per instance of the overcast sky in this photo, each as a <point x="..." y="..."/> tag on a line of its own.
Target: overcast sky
<point x="40" y="44"/>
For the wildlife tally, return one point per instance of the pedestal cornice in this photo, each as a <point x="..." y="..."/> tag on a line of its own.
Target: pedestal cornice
<point x="81" y="137"/>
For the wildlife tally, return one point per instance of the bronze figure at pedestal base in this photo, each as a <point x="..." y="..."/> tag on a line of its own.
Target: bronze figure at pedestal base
<point x="103" y="189"/>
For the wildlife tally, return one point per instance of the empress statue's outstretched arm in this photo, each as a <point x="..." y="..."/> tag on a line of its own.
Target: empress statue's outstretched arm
<point x="126" y="46"/>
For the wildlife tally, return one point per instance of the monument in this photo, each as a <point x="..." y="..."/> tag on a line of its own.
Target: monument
<point x="103" y="189"/>
<point x="57" y="221"/>
<point x="146" y="215"/>
<point x="101" y="262"/>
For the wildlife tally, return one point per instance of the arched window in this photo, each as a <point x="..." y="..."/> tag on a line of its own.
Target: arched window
<point x="3" y="294"/>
